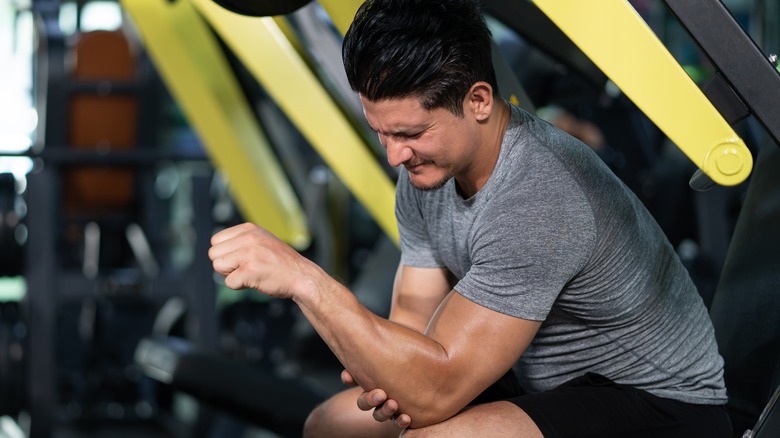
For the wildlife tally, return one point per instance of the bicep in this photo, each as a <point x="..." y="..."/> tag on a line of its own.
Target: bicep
<point x="417" y="293"/>
<point x="481" y="345"/>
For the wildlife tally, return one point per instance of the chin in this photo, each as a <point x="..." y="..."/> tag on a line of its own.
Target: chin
<point x="430" y="184"/>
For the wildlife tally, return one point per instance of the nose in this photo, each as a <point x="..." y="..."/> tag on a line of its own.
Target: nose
<point x="397" y="151"/>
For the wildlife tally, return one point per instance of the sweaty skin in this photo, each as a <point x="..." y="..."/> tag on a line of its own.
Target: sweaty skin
<point x="431" y="375"/>
<point x="343" y="414"/>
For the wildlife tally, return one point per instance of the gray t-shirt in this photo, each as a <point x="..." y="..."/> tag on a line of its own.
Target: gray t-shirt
<point x="554" y="236"/>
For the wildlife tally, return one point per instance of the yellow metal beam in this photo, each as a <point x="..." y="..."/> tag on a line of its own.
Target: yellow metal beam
<point x="616" y="38"/>
<point x="197" y="74"/>
<point x="341" y="12"/>
<point x="288" y="32"/>
<point x="272" y="60"/>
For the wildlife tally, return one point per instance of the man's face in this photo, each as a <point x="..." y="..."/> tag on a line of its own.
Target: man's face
<point x="433" y="146"/>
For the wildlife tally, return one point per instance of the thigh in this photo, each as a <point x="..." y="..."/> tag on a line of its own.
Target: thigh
<point x="340" y="417"/>
<point x="594" y="406"/>
<point x="489" y="420"/>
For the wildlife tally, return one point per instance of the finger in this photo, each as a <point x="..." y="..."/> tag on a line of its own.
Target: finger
<point x="237" y="276"/>
<point x="347" y="379"/>
<point x="236" y="280"/>
<point x="226" y="263"/>
<point x="236" y="238"/>
<point x="220" y="247"/>
<point x="402" y="421"/>
<point x="371" y="399"/>
<point x="229" y="233"/>
<point x="386" y="411"/>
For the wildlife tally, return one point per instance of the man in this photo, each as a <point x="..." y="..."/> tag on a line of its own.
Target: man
<point x="520" y="249"/>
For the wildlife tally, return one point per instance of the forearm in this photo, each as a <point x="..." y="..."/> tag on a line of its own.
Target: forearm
<point x="409" y="366"/>
<point x="412" y="368"/>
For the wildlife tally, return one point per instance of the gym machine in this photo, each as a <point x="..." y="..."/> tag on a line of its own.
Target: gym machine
<point x="99" y="259"/>
<point x="744" y="90"/>
<point x="730" y="92"/>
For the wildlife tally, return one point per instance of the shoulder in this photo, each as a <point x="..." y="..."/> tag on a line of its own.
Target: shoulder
<point x="539" y="190"/>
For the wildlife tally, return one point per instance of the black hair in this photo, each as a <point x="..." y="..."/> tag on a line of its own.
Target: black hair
<point x="433" y="49"/>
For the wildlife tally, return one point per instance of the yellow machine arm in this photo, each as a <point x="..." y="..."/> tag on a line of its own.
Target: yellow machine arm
<point x="197" y="74"/>
<point x="613" y="35"/>
<point x="341" y="12"/>
<point x="274" y="62"/>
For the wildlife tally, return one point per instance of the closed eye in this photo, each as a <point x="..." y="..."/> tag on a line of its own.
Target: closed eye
<point x="407" y="136"/>
<point x="399" y="134"/>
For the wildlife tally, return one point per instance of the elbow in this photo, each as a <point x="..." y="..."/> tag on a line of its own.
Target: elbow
<point x="437" y="390"/>
<point x="435" y="405"/>
<point x="429" y="417"/>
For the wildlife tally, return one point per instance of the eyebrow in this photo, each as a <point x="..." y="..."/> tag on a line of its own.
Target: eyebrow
<point x="403" y="132"/>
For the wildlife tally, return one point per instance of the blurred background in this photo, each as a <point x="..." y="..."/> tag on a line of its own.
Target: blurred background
<point x="132" y="131"/>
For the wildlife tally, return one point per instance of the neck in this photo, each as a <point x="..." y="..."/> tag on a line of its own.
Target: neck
<point x="486" y="155"/>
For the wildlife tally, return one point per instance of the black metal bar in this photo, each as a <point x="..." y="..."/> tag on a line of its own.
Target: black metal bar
<point x="745" y="306"/>
<point x="40" y="261"/>
<point x="725" y="100"/>
<point x="49" y="72"/>
<point x="199" y="281"/>
<point x="41" y="303"/>
<point x="262" y="8"/>
<point x="741" y="63"/>
<point x="276" y="403"/>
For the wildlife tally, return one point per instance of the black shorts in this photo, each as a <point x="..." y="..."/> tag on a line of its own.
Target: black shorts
<point x="594" y="406"/>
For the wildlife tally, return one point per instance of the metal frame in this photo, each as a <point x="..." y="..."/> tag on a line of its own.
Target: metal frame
<point x="751" y="74"/>
<point x="167" y="31"/>
<point x="622" y="45"/>
<point x="290" y="82"/>
<point x="195" y="70"/>
<point x="49" y="285"/>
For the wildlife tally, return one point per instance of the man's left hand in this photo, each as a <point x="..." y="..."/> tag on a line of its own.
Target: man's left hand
<point x="384" y="408"/>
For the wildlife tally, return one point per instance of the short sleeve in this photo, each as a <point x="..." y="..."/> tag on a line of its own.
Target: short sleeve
<point x="522" y="258"/>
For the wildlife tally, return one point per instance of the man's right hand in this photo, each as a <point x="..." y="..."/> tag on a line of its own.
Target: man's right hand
<point x="376" y="399"/>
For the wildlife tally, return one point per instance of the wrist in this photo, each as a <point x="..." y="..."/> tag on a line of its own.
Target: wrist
<point x="308" y="288"/>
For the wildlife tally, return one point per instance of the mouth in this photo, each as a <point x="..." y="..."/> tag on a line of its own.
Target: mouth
<point x="416" y="167"/>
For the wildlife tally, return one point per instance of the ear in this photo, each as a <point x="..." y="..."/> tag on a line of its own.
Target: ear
<point x="480" y="100"/>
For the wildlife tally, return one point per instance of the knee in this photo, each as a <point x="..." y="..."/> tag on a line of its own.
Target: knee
<point x="316" y="421"/>
<point x="335" y="417"/>
<point x="340" y="417"/>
